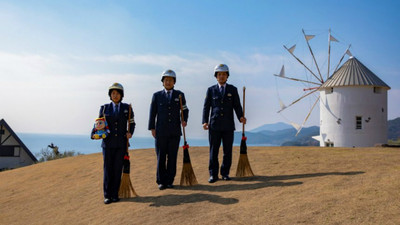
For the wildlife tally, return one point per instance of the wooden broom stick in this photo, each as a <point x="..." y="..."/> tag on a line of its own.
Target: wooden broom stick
<point x="126" y="187"/>
<point x="188" y="178"/>
<point x="244" y="168"/>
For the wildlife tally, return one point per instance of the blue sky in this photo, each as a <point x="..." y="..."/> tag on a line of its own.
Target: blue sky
<point x="57" y="58"/>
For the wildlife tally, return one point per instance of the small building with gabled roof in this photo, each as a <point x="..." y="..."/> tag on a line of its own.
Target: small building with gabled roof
<point x="13" y="152"/>
<point x="353" y="107"/>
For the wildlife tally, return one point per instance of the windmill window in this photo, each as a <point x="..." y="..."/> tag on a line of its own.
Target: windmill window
<point x="358" y="122"/>
<point x="329" y="90"/>
<point x="377" y="90"/>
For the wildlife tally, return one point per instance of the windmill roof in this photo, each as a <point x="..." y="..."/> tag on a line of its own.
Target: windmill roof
<point x="354" y="73"/>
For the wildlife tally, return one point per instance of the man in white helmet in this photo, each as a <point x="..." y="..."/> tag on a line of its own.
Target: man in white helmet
<point x="222" y="100"/>
<point x="165" y="126"/>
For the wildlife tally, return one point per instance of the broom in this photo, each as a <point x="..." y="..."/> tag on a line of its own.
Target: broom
<point x="126" y="185"/>
<point x="187" y="177"/>
<point x="244" y="168"/>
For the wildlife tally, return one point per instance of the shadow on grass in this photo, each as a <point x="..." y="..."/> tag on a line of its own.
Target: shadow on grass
<point x="308" y="175"/>
<point x="257" y="182"/>
<point x="174" y="200"/>
<point x="247" y="183"/>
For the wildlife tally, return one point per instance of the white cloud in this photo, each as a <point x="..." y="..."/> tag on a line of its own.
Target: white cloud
<point x="62" y="94"/>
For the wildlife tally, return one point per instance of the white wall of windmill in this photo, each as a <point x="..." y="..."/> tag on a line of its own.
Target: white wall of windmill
<point x="340" y="110"/>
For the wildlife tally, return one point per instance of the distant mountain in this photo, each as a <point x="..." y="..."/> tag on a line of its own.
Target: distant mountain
<point x="272" y="127"/>
<point x="281" y="137"/>
<point x="282" y="134"/>
<point x="394" y="129"/>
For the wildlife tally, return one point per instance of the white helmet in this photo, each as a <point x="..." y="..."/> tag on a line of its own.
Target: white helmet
<point x="221" y="68"/>
<point x="118" y="87"/>
<point x="168" y="73"/>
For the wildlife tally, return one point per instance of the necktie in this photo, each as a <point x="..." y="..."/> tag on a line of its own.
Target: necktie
<point x="169" y="96"/>
<point x="222" y="90"/>
<point x="116" y="110"/>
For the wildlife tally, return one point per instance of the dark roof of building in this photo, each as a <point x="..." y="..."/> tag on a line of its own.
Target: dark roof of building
<point x="354" y="73"/>
<point x="4" y="123"/>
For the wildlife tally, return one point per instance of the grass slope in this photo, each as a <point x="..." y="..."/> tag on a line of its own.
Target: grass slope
<point x="294" y="185"/>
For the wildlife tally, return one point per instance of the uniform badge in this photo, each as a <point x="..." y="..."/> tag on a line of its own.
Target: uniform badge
<point x="229" y="95"/>
<point x="125" y="111"/>
<point x="177" y="99"/>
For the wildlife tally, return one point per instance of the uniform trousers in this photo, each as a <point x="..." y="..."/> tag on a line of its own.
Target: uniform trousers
<point x="167" y="153"/>
<point x="113" y="161"/>
<point x="215" y="138"/>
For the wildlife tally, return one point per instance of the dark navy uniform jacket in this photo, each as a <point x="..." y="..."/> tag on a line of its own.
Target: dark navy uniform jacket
<point x="165" y="116"/>
<point x="221" y="108"/>
<point x="117" y="125"/>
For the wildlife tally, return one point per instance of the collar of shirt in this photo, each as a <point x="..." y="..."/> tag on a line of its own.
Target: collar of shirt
<point x="219" y="86"/>
<point x="115" y="105"/>
<point x="166" y="91"/>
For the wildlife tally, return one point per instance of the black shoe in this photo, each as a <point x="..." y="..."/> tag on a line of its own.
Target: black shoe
<point x="161" y="186"/>
<point x="226" y="178"/>
<point x="115" y="199"/>
<point x="212" y="179"/>
<point x="107" y="201"/>
<point x="170" y="186"/>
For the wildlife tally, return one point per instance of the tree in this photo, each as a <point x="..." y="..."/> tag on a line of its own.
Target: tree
<point x="46" y="154"/>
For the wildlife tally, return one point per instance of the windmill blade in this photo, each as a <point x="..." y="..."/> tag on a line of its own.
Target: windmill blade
<point x="309" y="37"/>
<point x="296" y="79"/>
<point x="282" y="73"/>
<point x="283" y="106"/>
<point x="289" y="50"/>
<point x="331" y="38"/>
<point x="305" y="120"/>
<point x="340" y="61"/>
<point x="295" y="125"/>
<point x="298" y="100"/>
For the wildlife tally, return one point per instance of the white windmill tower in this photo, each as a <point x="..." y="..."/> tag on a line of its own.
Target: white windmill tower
<point x="353" y="107"/>
<point x="353" y="101"/>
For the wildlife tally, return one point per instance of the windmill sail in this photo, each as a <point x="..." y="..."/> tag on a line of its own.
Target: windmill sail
<point x="305" y="120"/>
<point x="309" y="37"/>
<point x="291" y="50"/>
<point x="282" y="73"/>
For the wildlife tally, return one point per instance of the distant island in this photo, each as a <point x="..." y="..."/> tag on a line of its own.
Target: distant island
<point x="282" y="134"/>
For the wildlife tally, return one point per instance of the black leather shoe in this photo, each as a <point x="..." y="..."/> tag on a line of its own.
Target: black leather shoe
<point x="212" y="179"/>
<point x="115" y="199"/>
<point x="226" y="178"/>
<point x="170" y="186"/>
<point x="107" y="201"/>
<point x="161" y="186"/>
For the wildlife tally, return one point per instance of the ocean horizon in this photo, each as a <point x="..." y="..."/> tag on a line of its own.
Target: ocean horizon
<point x="83" y="144"/>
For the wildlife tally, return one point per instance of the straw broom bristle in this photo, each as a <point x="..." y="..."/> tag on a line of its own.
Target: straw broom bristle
<point x="187" y="177"/>
<point x="244" y="168"/>
<point x="126" y="187"/>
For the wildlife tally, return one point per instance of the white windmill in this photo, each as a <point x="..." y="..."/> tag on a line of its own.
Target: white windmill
<point x="353" y="101"/>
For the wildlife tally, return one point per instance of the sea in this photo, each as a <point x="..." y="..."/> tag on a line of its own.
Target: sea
<point x="83" y="144"/>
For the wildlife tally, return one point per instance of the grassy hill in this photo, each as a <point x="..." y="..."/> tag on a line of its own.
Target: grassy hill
<point x="294" y="185"/>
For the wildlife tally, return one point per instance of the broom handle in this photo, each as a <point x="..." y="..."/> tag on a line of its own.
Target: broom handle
<point x="184" y="135"/>
<point x="129" y="127"/>
<point x="244" y="104"/>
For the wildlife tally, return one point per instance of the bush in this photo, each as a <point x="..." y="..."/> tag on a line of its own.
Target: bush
<point x="47" y="154"/>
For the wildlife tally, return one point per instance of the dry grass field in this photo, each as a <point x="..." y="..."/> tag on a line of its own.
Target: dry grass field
<point x="293" y="185"/>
